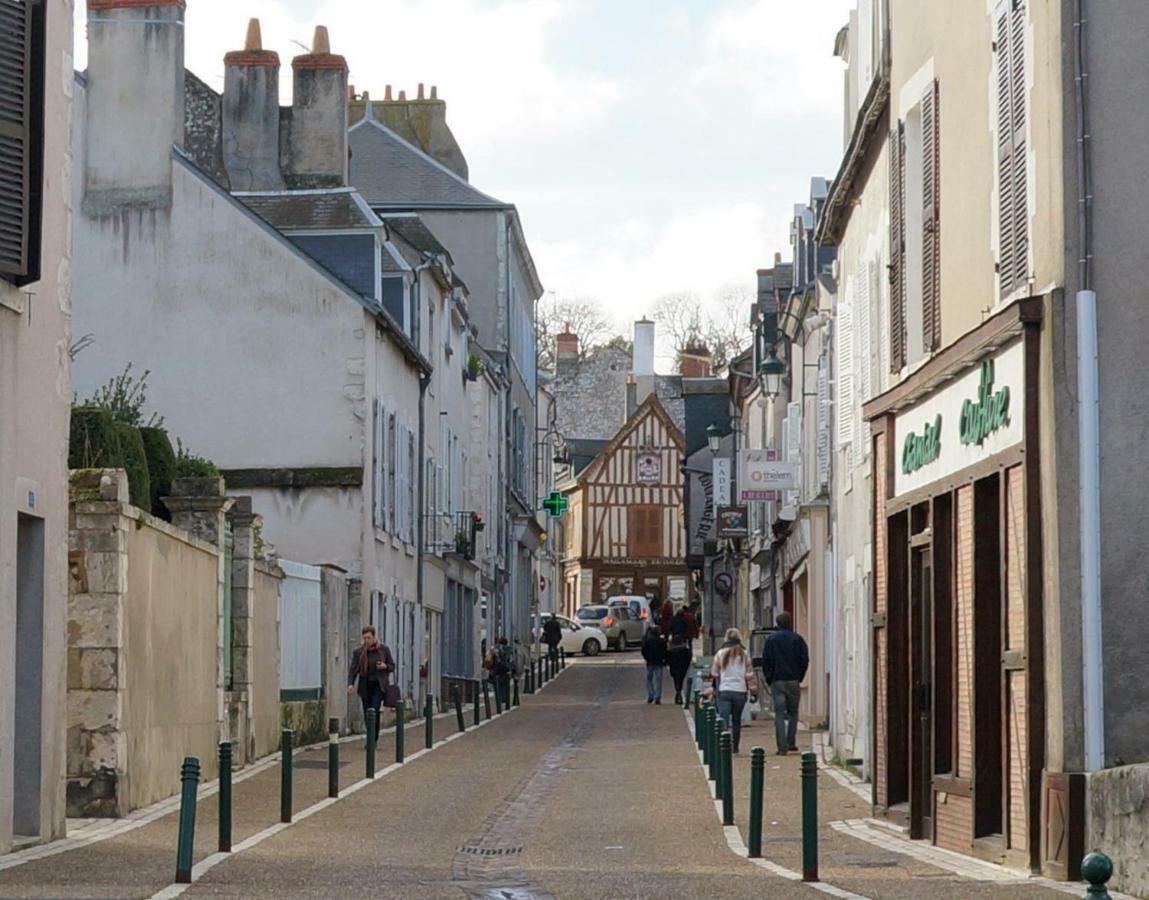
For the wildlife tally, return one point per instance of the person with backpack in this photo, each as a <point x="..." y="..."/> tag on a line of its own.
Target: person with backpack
<point x="371" y="667"/>
<point x="502" y="668"/>
<point x="678" y="659"/>
<point x="553" y="636"/>
<point x="654" y="652"/>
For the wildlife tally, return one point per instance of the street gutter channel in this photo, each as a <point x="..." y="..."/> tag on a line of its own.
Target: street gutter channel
<point x="489" y="865"/>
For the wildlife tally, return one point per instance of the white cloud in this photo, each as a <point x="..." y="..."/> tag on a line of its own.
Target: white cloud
<point x="776" y="53"/>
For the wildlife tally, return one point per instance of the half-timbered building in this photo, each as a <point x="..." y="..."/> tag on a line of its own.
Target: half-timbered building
<point x="625" y="520"/>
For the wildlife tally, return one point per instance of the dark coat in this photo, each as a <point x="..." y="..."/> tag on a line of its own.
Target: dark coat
<point x="379" y="652"/>
<point x="654" y="649"/>
<point x="679" y="659"/>
<point x="693" y="628"/>
<point x="785" y="657"/>
<point x="552" y="632"/>
<point x="678" y="624"/>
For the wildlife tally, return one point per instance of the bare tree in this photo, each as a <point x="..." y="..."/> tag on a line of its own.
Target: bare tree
<point x="727" y="332"/>
<point x="582" y="316"/>
<point x="679" y="318"/>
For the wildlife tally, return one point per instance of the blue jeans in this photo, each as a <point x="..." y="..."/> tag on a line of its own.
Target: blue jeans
<point x="730" y="706"/>
<point x="785" y="695"/>
<point x="653" y="682"/>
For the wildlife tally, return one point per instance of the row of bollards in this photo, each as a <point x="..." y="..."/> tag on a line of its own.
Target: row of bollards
<point x="190" y="770"/>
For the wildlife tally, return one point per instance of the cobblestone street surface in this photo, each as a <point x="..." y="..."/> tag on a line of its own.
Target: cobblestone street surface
<point x="584" y="792"/>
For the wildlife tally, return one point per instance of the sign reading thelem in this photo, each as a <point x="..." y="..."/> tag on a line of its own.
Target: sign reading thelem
<point x="922" y="449"/>
<point x="981" y="417"/>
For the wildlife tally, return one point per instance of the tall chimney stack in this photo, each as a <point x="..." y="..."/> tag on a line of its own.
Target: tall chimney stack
<point x="135" y="103"/>
<point x="251" y="115"/>
<point x="695" y="361"/>
<point x="566" y="349"/>
<point x="642" y="360"/>
<point x="317" y="153"/>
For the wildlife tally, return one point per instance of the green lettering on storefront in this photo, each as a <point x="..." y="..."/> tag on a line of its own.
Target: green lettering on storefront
<point x="981" y="418"/>
<point x="922" y="449"/>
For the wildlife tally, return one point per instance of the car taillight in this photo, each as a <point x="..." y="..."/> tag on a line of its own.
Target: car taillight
<point x="645" y="614"/>
<point x="608" y="621"/>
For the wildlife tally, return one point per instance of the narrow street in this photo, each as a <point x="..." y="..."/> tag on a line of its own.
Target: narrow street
<point x="586" y="791"/>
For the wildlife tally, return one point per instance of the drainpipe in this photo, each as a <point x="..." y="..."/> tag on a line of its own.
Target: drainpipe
<point x="1088" y="421"/>
<point x="420" y="478"/>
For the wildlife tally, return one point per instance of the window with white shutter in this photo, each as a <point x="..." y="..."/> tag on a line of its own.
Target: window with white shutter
<point x="377" y="466"/>
<point x="844" y="371"/>
<point x="1013" y="193"/>
<point x="822" y="438"/>
<point x="793" y="447"/>
<point x="391" y="461"/>
<point x="412" y="462"/>
<point x="21" y="138"/>
<point x="863" y="384"/>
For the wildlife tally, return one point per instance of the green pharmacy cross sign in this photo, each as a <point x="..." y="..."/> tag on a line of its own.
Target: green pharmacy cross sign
<point x="555" y="505"/>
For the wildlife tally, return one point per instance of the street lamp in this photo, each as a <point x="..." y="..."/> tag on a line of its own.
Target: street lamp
<point x="713" y="437"/>
<point x="770" y="372"/>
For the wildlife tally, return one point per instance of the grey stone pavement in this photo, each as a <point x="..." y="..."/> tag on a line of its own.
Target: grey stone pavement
<point x="586" y="791"/>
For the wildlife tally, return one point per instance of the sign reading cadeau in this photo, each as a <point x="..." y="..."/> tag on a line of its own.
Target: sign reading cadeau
<point x="971" y="418"/>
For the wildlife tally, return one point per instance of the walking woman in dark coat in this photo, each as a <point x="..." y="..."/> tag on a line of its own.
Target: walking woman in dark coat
<point x="372" y="665"/>
<point x="678" y="658"/>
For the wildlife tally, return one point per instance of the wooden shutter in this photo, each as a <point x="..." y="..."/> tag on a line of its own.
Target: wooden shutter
<point x="931" y="220"/>
<point x="897" y="249"/>
<point x="645" y="528"/>
<point x="844" y="361"/>
<point x="1013" y="215"/>
<point x="21" y="138"/>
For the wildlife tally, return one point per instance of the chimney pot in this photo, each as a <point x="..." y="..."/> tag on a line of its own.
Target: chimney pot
<point x="387" y="93"/>
<point x="321" y="43"/>
<point x="402" y="96"/>
<point x="777" y="258"/>
<point x="434" y="92"/>
<point x="254" y="40"/>
<point x="420" y="90"/>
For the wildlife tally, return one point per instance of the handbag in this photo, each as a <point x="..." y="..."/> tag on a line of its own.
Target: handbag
<point x="391" y="696"/>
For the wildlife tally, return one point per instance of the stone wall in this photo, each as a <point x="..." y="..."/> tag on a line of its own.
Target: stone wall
<point x="143" y="632"/>
<point x="1118" y="824"/>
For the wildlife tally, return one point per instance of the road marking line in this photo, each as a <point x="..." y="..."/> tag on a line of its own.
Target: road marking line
<point x="210" y="862"/>
<point x="738" y="846"/>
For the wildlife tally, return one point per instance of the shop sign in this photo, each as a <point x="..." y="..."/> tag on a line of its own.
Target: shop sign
<point x="961" y="424"/>
<point x="922" y="449"/>
<point x="760" y="476"/>
<point x="649" y="468"/>
<point x="722" y="480"/>
<point x="733" y="522"/>
<point x="982" y="417"/>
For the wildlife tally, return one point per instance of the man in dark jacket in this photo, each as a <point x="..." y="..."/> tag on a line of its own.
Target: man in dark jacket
<point x="654" y="652"/>
<point x="371" y="666"/>
<point x="678" y="658"/>
<point x="553" y="635"/>
<point x="785" y="659"/>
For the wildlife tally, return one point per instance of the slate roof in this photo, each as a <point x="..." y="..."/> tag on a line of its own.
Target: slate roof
<point x="389" y="171"/>
<point x="415" y="232"/>
<point x="318" y="210"/>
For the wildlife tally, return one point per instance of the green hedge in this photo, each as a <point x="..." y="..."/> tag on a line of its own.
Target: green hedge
<point x="161" y="460"/>
<point x="136" y="464"/>
<point x="94" y="442"/>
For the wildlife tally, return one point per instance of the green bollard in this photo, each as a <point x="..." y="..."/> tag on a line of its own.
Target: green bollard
<point x="697" y="726"/>
<point x="515" y="699"/>
<point x="757" y="779"/>
<point x="478" y="716"/>
<point x="370" y="755"/>
<point x="563" y="657"/>
<point x="727" y="779"/>
<point x="457" y="697"/>
<point x="809" y="817"/>
<point x="541" y="680"/>
<point x="487" y="697"/>
<point x="719" y="769"/>
<point x="1097" y="869"/>
<point x="529" y="678"/>
<point x="498" y="696"/>
<point x="189" y="778"/>
<point x="400" y="731"/>
<point x="332" y="757"/>
<point x="429" y="723"/>
<point x="225" y="796"/>
<point x="711" y="746"/>
<point x="286" y="741"/>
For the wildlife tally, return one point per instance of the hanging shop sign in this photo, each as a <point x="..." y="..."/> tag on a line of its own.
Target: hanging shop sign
<point x="961" y="424"/>
<point x="648" y="468"/>
<point x="760" y="475"/>
<point x="722" y="480"/>
<point x="733" y="522"/>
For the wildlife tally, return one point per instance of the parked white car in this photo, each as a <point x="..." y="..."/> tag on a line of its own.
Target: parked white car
<point x="576" y="638"/>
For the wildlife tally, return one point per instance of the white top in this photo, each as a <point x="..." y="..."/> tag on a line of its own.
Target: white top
<point x="733" y="677"/>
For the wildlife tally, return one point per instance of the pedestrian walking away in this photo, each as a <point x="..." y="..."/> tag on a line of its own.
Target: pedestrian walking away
<point x="665" y="617"/>
<point x="785" y="658"/>
<point x="371" y="666"/>
<point x="692" y="624"/>
<point x="553" y="636"/>
<point x="732" y="674"/>
<point x="503" y="666"/>
<point x="678" y="659"/>
<point x="654" y="652"/>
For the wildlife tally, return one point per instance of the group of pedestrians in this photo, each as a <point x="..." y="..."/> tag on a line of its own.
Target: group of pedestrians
<point x="785" y="659"/>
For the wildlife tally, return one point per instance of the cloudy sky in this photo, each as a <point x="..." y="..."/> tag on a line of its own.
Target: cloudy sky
<point x="652" y="146"/>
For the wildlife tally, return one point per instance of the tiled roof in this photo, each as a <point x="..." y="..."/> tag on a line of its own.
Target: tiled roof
<point x="335" y="209"/>
<point x="388" y="171"/>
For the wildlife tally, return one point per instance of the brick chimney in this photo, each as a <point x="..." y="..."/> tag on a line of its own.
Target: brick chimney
<point x="316" y="152"/>
<point x="135" y="103"/>
<point x="251" y="115"/>
<point x="422" y="122"/>
<point x="566" y="348"/>
<point x="695" y="361"/>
